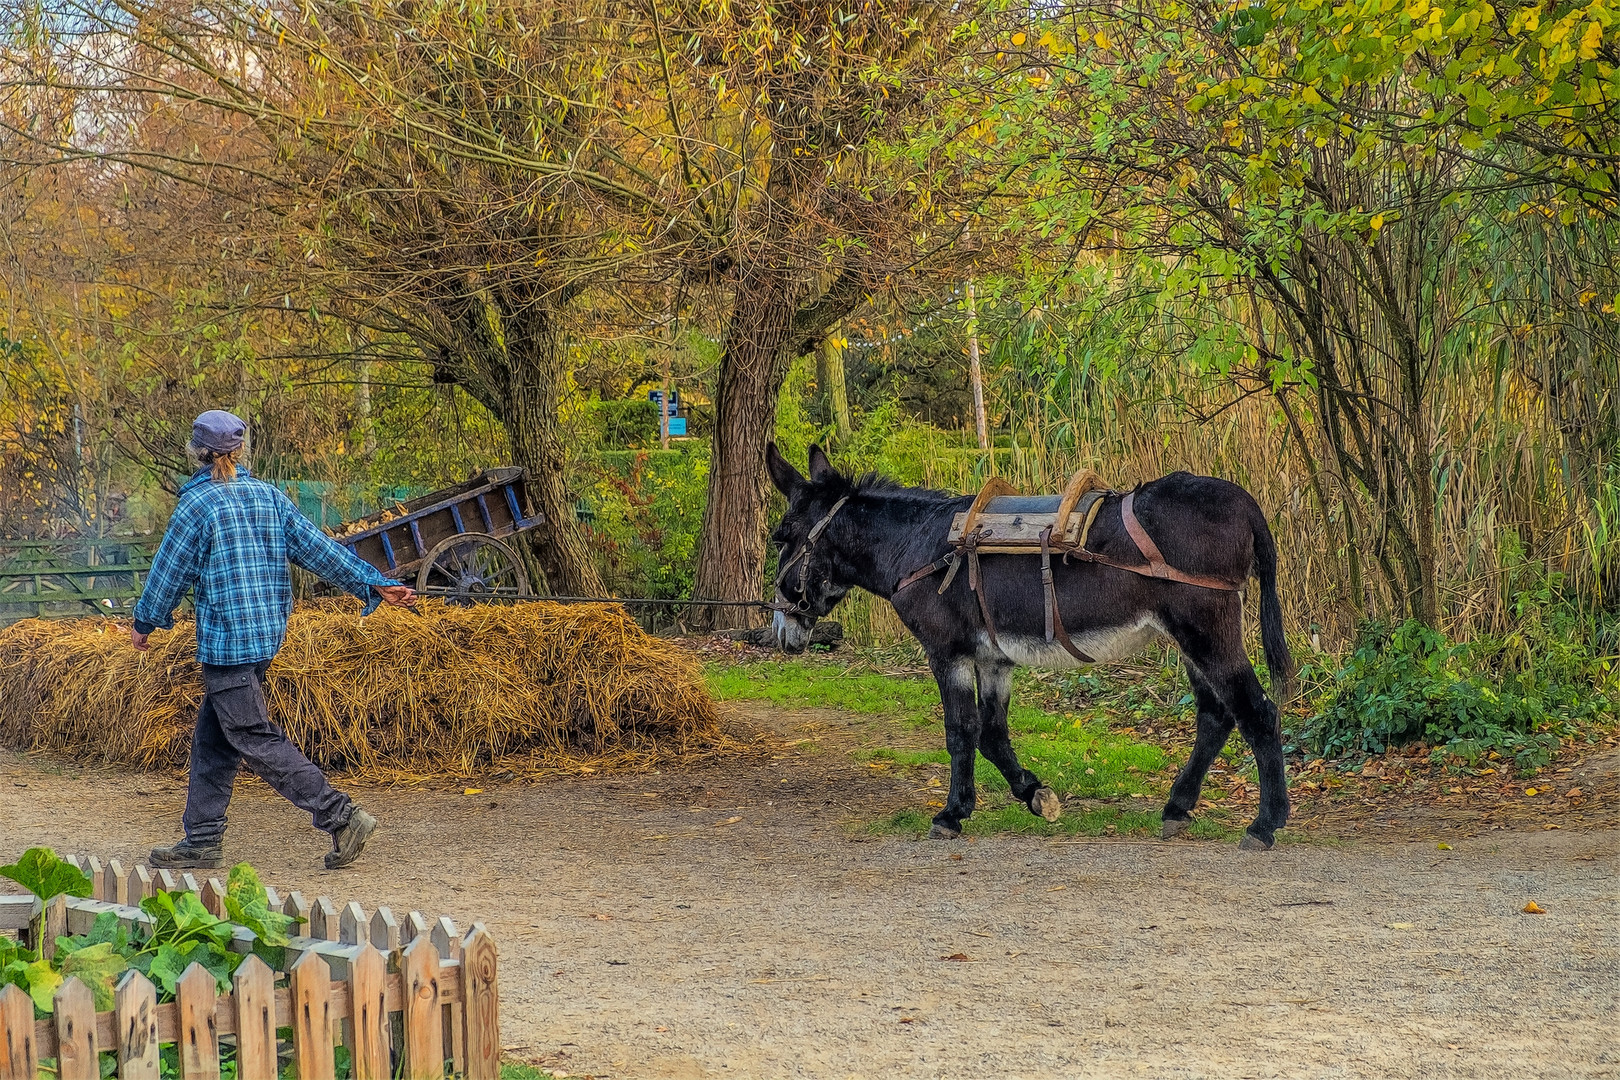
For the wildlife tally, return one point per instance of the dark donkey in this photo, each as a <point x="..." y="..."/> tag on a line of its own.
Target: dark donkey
<point x="840" y="533"/>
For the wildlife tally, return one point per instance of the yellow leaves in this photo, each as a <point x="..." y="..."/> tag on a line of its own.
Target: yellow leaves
<point x="473" y="791"/>
<point x="1442" y="846"/>
<point x="1310" y="96"/>
<point x="1418" y="10"/>
<point x="1532" y="791"/>
<point x="1376" y="222"/>
<point x="1591" y="40"/>
<point x="1102" y="40"/>
<point x="1588" y="296"/>
<point x="1533" y="908"/>
<point x="1019" y="38"/>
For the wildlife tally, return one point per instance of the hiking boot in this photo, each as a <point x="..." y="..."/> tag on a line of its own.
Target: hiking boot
<point x="187" y="856"/>
<point x="349" y="841"/>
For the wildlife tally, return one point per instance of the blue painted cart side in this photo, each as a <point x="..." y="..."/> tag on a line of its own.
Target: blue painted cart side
<point x="396" y="540"/>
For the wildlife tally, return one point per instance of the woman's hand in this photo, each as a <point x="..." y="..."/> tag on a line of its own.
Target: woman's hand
<point x="398" y="595"/>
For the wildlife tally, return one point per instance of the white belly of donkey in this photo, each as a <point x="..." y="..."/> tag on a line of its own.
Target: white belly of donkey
<point x="1111" y="643"/>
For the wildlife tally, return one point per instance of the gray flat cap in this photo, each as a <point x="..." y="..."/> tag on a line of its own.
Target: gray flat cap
<point x="219" y="431"/>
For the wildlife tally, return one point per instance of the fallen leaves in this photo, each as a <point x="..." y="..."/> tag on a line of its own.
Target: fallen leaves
<point x="473" y="791"/>
<point x="1397" y="926"/>
<point x="728" y="821"/>
<point x="958" y="957"/>
<point x="1533" y="908"/>
<point x="1442" y="846"/>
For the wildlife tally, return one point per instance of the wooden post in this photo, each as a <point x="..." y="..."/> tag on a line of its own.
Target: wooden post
<point x="296" y="906"/>
<point x="117" y="887"/>
<point x="323" y="919"/>
<point x="254" y="992"/>
<point x="353" y="926"/>
<point x="196" y="998"/>
<point x="975" y="371"/>
<point x="140" y="885"/>
<point x="188" y="882"/>
<point x="309" y="991"/>
<point x="385" y="931"/>
<point x="213" y="898"/>
<point x="448" y="944"/>
<point x="77" y="1055"/>
<point x="135" y="1020"/>
<point x="19" y="1057"/>
<point x="167" y="881"/>
<point x="368" y="1014"/>
<point x="51" y="924"/>
<point x="415" y="926"/>
<point x="424" y="1018"/>
<point x="98" y="880"/>
<point x="480" y="1007"/>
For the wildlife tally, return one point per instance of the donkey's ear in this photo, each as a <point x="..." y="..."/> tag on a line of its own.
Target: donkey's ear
<point x="820" y="468"/>
<point x="783" y="475"/>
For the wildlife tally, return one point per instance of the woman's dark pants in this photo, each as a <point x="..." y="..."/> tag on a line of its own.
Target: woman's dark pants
<point x="233" y="726"/>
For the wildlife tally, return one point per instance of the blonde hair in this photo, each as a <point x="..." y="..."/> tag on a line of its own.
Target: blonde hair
<point x="223" y="464"/>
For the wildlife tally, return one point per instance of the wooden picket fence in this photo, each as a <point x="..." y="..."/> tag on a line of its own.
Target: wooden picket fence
<point x="408" y="998"/>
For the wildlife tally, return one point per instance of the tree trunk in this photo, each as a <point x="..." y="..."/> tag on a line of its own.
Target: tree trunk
<point x="830" y="377"/>
<point x="528" y="412"/>
<point x="731" y="553"/>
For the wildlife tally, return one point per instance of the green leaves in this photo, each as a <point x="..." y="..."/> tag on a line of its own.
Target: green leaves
<point x="45" y="875"/>
<point x="169" y="963"/>
<point x="97" y="966"/>
<point x="180" y="918"/>
<point x="41" y="981"/>
<point x="248" y="904"/>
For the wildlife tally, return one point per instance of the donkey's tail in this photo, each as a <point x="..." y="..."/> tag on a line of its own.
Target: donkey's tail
<point x="1278" y="660"/>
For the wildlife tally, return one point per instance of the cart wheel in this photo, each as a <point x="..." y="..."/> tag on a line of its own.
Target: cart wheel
<point x="470" y="568"/>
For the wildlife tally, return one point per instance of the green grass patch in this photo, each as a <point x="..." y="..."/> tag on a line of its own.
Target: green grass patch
<point x="1077" y="820"/>
<point x="512" y="1070"/>
<point x="1077" y="756"/>
<point x="805" y="684"/>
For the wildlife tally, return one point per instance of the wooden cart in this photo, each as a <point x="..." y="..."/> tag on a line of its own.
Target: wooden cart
<point x="454" y="542"/>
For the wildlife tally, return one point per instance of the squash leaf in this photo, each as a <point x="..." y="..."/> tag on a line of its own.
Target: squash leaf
<point x="45" y="875"/>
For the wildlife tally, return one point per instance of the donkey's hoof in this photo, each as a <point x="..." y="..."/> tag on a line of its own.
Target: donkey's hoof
<point x="1174" y="827"/>
<point x="943" y="832"/>
<point x="1046" y="803"/>
<point x="1252" y="842"/>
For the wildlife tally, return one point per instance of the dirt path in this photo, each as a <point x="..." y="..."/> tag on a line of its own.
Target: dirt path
<point x="732" y="924"/>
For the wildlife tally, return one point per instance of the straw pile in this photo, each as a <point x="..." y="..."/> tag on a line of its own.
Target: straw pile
<point x="458" y="692"/>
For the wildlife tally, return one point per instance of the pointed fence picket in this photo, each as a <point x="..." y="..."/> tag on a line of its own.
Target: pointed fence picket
<point x="409" y="998"/>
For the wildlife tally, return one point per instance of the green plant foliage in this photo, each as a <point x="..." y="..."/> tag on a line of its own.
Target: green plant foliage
<point x="45" y="875"/>
<point x="247" y="903"/>
<point x="182" y="933"/>
<point x="1408" y="684"/>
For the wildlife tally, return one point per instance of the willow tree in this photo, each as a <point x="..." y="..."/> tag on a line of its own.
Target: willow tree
<point x="772" y="111"/>
<point x="456" y="176"/>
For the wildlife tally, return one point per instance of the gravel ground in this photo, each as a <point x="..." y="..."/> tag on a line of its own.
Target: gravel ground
<point x="735" y="923"/>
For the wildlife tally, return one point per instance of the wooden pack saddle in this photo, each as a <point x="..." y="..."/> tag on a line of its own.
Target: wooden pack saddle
<point x="1003" y="522"/>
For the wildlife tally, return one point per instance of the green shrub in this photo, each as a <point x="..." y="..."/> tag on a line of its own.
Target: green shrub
<point x="646" y="509"/>
<point x="1516" y="696"/>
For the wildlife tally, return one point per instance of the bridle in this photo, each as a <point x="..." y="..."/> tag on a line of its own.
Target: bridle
<point x="803" y="559"/>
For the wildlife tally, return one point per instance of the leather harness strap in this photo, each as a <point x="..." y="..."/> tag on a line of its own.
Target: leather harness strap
<point x="1156" y="566"/>
<point x="1054" y="617"/>
<point x="967" y="550"/>
<point x="970" y="544"/>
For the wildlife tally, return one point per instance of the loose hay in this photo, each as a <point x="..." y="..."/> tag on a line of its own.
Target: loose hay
<point x="456" y="692"/>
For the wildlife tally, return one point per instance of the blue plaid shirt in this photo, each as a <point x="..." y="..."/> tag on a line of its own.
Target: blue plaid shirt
<point x="232" y="542"/>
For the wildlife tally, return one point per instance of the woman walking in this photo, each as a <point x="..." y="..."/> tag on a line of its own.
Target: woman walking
<point x="230" y="540"/>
